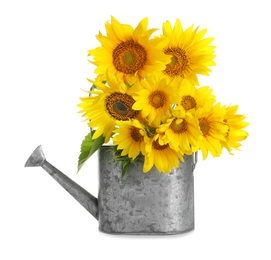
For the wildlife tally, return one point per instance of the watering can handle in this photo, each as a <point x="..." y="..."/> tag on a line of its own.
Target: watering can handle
<point x="88" y="201"/>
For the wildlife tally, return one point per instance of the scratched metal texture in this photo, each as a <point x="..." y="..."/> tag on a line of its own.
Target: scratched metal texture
<point x="145" y="204"/>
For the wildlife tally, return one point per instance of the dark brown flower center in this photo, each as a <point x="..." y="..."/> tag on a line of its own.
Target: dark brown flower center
<point x="119" y="106"/>
<point x="135" y="134"/>
<point x="178" y="64"/>
<point x="188" y="102"/>
<point x="157" y="146"/>
<point x="204" y="126"/>
<point x="129" y="57"/>
<point x="157" y="98"/>
<point x="178" y="128"/>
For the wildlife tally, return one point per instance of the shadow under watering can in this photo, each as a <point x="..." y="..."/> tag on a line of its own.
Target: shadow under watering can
<point x="139" y="203"/>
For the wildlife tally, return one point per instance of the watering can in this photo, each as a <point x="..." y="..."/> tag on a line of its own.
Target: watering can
<point x="138" y="203"/>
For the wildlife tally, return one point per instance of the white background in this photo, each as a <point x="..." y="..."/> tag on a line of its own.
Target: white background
<point x="43" y="67"/>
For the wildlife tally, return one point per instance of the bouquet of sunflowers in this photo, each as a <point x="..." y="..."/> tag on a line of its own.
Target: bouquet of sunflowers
<point x="147" y="100"/>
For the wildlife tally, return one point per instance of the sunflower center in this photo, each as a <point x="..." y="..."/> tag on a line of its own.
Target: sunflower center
<point x="157" y="98"/>
<point x="129" y="57"/>
<point x="178" y="128"/>
<point x="179" y="62"/>
<point x="157" y="146"/>
<point x="228" y="132"/>
<point x="188" y="102"/>
<point x="119" y="106"/>
<point x="174" y="60"/>
<point x="204" y="126"/>
<point x="135" y="134"/>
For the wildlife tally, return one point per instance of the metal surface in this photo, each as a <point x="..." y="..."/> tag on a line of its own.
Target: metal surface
<point x="89" y="202"/>
<point x="152" y="204"/>
<point x="140" y="204"/>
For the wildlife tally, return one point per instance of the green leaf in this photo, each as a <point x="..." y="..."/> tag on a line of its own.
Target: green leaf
<point x="125" y="166"/>
<point x="88" y="147"/>
<point x="126" y="162"/>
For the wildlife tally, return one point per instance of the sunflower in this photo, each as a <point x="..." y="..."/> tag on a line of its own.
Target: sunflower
<point x="191" y="53"/>
<point x="213" y="128"/>
<point x="193" y="98"/>
<point x="130" y="138"/>
<point x="162" y="157"/>
<point x="235" y="132"/>
<point x="106" y="105"/>
<point x="154" y="97"/>
<point x="129" y="53"/>
<point x="181" y="132"/>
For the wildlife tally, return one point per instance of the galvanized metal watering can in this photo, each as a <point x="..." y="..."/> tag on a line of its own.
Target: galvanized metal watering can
<point x="138" y="203"/>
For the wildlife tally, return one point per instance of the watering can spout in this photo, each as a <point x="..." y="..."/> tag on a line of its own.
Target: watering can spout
<point x="88" y="201"/>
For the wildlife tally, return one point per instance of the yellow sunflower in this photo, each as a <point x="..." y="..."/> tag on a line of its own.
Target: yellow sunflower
<point x="235" y="132"/>
<point x="129" y="53"/>
<point x="213" y="128"/>
<point x="191" y="53"/>
<point x="154" y="97"/>
<point x="181" y="132"/>
<point x="162" y="157"/>
<point x="193" y="98"/>
<point x="130" y="138"/>
<point x="108" y="104"/>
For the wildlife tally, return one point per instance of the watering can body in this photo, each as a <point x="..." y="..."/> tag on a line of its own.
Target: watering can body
<point x="138" y="203"/>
